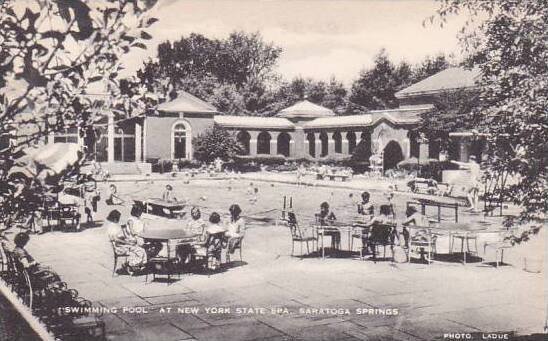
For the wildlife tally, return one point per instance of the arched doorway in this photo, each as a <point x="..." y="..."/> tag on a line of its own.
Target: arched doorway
<point x="392" y="154"/>
<point x="283" y="144"/>
<point x="338" y="142"/>
<point x="243" y="138"/>
<point x="311" y="144"/>
<point x="263" y="143"/>
<point x="351" y="137"/>
<point x="325" y="144"/>
<point x="181" y="140"/>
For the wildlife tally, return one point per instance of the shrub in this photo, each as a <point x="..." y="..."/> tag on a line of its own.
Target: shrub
<point x="216" y="143"/>
<point x="261" y="159"/>
<point x="189" y="164"/>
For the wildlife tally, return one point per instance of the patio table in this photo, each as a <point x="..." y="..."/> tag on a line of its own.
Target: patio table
<point x="458" y="228"/>
<point x="164" y="235"/>
<point x="335" y="226"/>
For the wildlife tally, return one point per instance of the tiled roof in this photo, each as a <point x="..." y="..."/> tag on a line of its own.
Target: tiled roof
<point x="401" y="115"/>
<point x="253" y="122"/>
<point x="305" y="109"/>
<point x="339" y="121"/>
<point x="186" y="102"/>
<point x="448" y="79"/>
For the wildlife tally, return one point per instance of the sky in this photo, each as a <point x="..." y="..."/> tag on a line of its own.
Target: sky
<point x="319" y="38"/>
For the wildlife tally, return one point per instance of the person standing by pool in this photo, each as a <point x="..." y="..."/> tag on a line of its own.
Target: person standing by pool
<point x="236" y="227"/>
<point x="113" y="196"/>
<point x="475" y="181"/>
<point x="365" y="208"/>
<point x="168" y="194"/>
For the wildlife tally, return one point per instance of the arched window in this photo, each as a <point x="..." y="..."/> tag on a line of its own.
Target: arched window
<point x="284" y="141"/>
<point x="181" y="138"/>
<point x="263" y="143"/>
<point x="243" y="137"/>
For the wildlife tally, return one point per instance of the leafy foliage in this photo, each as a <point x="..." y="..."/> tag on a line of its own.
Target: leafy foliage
<point x="507" y="42"/>
<point x="50" y="54"/>
<point x="376" y="87"/>
<point x="233" y="74"/>
<point x="216" y="143"/>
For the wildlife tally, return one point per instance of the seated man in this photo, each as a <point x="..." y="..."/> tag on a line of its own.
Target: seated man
<point x="325" y="218"/>
<point x="39" y="275"/>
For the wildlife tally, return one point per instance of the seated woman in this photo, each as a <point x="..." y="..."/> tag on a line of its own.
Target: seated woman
<point x="326" y="218"/>
<point x="125" y="243"/>
<point x="212" y="241"/>
<point x="20" y="241"/>
<point x="236" y="227"/>
<point x="196" y="226"/>
<point x="113" y="197"/>
<point x="415" y="218"/>
<point x="385" y="217"/>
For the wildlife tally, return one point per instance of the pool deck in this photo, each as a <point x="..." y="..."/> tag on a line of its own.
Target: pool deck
<point x="270" y="295"/>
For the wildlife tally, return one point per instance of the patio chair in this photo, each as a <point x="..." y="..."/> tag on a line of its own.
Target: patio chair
<point x="70" y="214"/>
<point x="234" y="244"/>
<point x="210" y="252"/>
<point x="163" y="265"/>
<point x="297" y="235"/>
<point x="421" y="240"/>
<point x="360" y="232"/>
<point x="382" y="235"/>
<point x="118" y="253"/>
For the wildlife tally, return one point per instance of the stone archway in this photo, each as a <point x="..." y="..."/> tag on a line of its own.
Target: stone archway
<point x="324" y="143"/>
<point x="283" y="144"/>
<point x="243" y="137"/>
<point x="392" y="155"/>
<point x="263" y="143"/>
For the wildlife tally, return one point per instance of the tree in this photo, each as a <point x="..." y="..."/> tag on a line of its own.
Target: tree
<point x="241" y="65"/>
<point x="376" y="87"/>
<point x="216" y="143"/>
<point x="51" y="52"/>
<point x="330" y="94"/>
<point x="508" y="45"/>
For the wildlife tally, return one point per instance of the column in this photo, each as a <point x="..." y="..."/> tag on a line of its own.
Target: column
<point x="318" y="145"/>
<point x="344" y="144"/>
<point x="464" y="146"/>
<point x="110" y="138"/>
<point x="330" y="144"/>
<point x="138" y="142"/>
<point x="274" y="142"/>
<point x="300" y="143"/>
<point x="292" y="147"/>
<point x="406" y="145"/>
<point x="253" y="143"/>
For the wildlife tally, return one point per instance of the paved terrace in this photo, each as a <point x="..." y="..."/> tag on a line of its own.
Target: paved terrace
<point x="444" y="297"/>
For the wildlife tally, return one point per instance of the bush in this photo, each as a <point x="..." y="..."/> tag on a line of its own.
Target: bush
<point x="261" y="159"/>
<point x="189" y="164"/>
<point x="216" y="143"/>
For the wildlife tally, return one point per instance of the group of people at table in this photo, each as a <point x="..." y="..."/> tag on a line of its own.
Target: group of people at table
<point x="128" y="238"/>
<point x="367" y="218"/>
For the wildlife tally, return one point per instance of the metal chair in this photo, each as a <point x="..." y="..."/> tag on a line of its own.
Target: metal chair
<point x="298" y="236"/>
<point x="117" y="253"/>
<point x="420" y="239"/>
<point x="210" y="252"/>
<point x="502" y="243"/>
<point x="163" y="265"/>
<point x="360" y="232"/>
<point x="382" y="235"/>
<point x="234" y="244"/>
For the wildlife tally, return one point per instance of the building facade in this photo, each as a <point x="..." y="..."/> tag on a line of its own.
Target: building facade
<point x="303" y="130"/>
